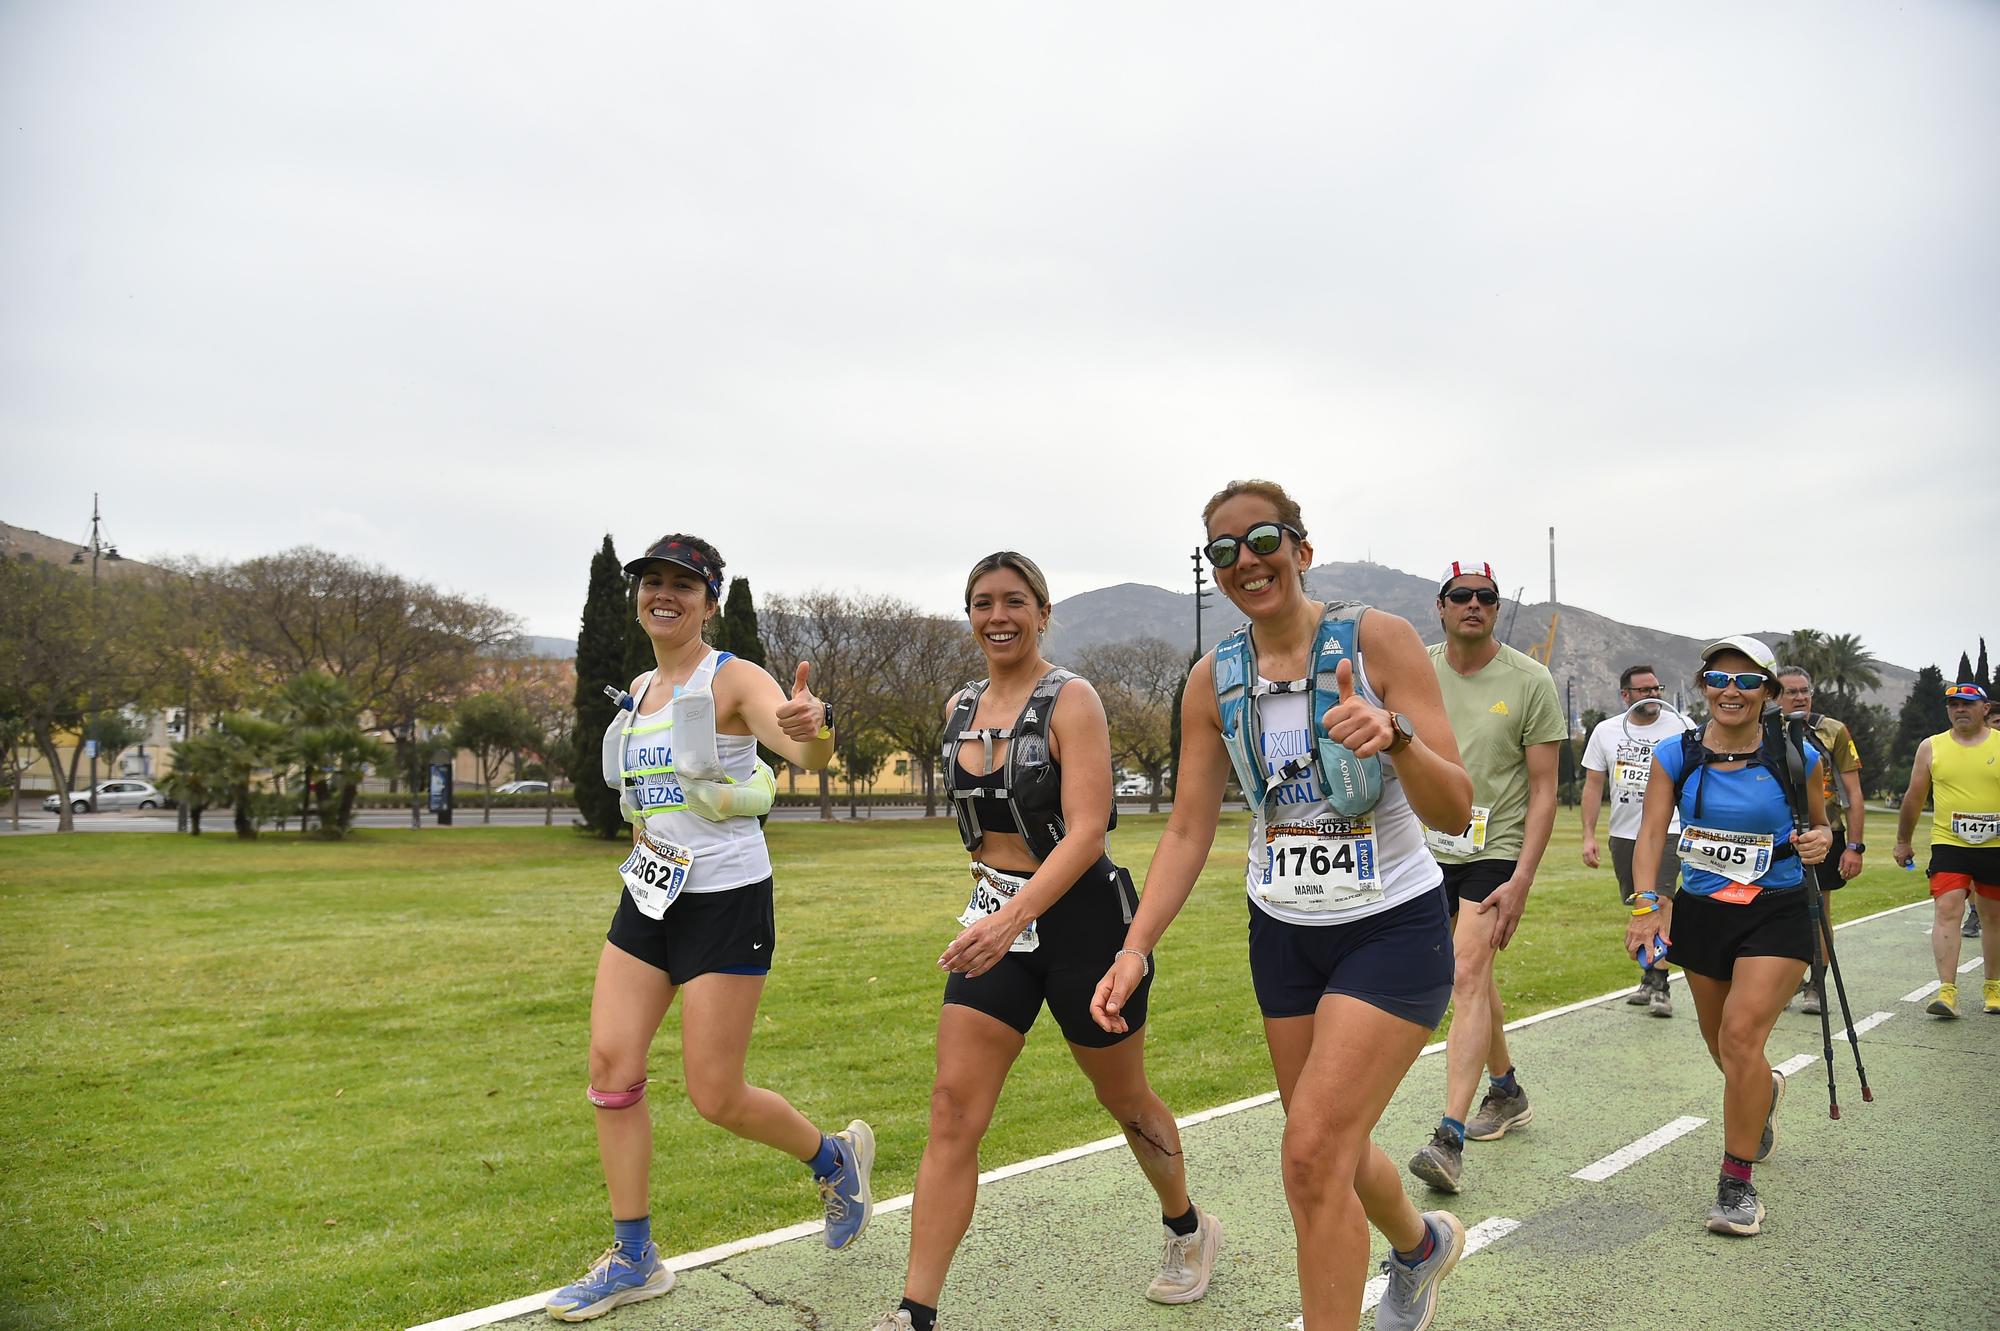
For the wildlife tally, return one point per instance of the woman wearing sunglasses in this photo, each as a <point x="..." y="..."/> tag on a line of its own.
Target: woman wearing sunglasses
<point x="1739" y="925"/>
<point x="1027" y="754"/>
<point x="1350" y="944"/>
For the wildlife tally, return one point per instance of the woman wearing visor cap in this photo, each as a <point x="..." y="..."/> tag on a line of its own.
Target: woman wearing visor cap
<point x="1739" y="926"/>
<point x="695" y="919"/>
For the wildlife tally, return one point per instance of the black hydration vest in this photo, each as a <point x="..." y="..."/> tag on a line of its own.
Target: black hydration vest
<point x="1029" y="782"/>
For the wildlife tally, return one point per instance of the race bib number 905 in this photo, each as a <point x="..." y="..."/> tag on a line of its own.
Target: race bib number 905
<point x="1741" y="857"/>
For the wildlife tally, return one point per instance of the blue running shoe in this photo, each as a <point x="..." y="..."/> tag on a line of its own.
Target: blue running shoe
<point x="616" y="1279"/>
<point x="849" y="1203"/>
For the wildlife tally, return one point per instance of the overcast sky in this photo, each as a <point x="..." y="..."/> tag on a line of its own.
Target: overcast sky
<point x="861" y="292"/>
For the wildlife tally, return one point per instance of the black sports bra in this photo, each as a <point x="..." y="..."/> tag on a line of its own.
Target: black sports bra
<point x="992" y="812"/>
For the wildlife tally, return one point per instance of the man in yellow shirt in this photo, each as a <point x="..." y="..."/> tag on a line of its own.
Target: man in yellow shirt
<point x="1960" y="768"/>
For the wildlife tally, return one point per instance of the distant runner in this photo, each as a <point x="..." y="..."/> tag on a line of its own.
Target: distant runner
<point x="1620" y="753"/>
<point x="1846" y="813"/>
<point x="1960" y="770"/>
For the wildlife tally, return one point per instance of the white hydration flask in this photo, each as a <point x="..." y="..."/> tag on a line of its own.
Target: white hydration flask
<point x="693" y="713"/>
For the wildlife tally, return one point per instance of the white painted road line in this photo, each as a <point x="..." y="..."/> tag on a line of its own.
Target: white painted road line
<point x="1919" y="995"/>
<point x="1865" y="1025"/>
<point x="1638" y="1150"/>
<point x="1481" y="1234"/>
<point x="1792" y="1067"/>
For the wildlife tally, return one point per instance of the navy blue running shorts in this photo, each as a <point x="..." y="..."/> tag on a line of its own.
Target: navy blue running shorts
<point x="1399" y="960"/>
<point x="733" y="933"/>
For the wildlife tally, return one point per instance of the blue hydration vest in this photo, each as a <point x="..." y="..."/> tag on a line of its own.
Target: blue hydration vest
<point x="1352" y="786"/>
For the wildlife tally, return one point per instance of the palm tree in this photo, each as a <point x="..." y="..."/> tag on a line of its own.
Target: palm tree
<point x="1849" y="666"/>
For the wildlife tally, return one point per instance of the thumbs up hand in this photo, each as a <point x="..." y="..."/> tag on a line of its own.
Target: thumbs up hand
<point x="1352" y="722"/>
<point x="802" y="716"/>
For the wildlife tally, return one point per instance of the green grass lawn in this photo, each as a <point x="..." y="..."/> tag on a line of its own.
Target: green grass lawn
<point x="297" y="1084"/>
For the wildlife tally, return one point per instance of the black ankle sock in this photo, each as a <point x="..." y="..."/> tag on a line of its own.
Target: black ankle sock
<point x="921" y="1318"/>
<point x="1183" y="1225"/>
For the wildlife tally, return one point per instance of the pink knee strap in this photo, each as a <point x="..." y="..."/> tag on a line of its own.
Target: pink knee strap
<point x="617" y="1099"/>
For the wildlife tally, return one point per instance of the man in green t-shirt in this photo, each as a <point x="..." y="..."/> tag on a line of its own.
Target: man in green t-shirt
<point x="1503" y="711"/>
<point x="1840" y="777"/>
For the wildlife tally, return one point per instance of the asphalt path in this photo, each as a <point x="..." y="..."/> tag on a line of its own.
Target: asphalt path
<point x="1588" y="1219"/>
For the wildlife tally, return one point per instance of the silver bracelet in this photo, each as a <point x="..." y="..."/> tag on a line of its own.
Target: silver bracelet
<point x="1144" y="960"/>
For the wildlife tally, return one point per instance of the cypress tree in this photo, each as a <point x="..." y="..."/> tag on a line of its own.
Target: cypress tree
<point x="735" y="629"/>
<point x="1922" y="716"/>
<point x="1965" y="675"/>
<point x="1985" y="677"/>
<point x="603" y="656"/>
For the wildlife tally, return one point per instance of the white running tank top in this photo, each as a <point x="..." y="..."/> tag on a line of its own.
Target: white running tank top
<point x="728" y="854"/>
<point x="1403" y="862"/>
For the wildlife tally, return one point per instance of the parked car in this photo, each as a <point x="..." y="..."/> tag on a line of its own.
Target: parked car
<point x="111" y="795"/>
<point x="522" y="788"/>
<point x="1134" y="785"/>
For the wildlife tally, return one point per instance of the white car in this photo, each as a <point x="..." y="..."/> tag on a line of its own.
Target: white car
<point x="522" y="788"/>
<point x="1134" y="785"/>
<point x="111" y="795"/>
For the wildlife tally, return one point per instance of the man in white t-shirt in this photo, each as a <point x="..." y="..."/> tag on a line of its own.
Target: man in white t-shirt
<point x="1620" y="753"/>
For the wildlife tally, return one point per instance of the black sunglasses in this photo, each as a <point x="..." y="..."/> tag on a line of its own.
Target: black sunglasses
<point x="1263" y="539"/>
<point x="1466" y="595"/>
<point x="1749" y="681"/>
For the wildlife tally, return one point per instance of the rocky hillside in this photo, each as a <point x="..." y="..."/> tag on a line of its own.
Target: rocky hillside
<point x="1590" y="648"/>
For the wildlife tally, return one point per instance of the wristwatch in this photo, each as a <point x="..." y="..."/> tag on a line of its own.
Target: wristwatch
<point x="826" y="722"/>
<point x="1856" y="847"/>
<point x="1405" y="733"/>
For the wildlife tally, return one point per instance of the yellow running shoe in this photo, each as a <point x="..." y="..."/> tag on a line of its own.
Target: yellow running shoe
<point x="1946" y="1003"/>
<point x="1993" y="996"/>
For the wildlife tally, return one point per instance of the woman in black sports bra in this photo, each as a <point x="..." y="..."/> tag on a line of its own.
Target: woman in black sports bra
<point x="1037" y="929"/>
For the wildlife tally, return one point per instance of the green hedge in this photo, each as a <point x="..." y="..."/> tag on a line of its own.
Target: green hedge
<point x="462" y="799"/>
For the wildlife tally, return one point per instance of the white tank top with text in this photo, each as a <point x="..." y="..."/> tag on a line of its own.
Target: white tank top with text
<point x="1403" y="862"/>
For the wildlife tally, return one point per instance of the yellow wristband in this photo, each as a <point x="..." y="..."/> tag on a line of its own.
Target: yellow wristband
<point x="1650" y="910"/>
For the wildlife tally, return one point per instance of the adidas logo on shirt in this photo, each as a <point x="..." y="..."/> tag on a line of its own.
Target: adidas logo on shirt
<point x="1499" y="708"/>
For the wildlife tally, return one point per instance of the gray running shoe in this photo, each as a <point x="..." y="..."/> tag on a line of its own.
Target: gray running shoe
<point x="1441" y="1162"/>
<point x="1970" y="929"/>
<point x="892" y="1321"/>
<point x="1736" y="1209"/>
<point x="1187" y="1262"/>
<point x="1411" y="1299"/>
<point x="1815" y="1001"/>
<point x="1497" y="1113"/>
<point x="1644" y="993"/>
<point x="1663" y="999"/>
<point x="1770" y="1137"/>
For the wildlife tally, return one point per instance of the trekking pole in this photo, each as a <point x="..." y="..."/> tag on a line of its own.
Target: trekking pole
<point x="1795" y="762"/>
<point x="1846" y="1014"/>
